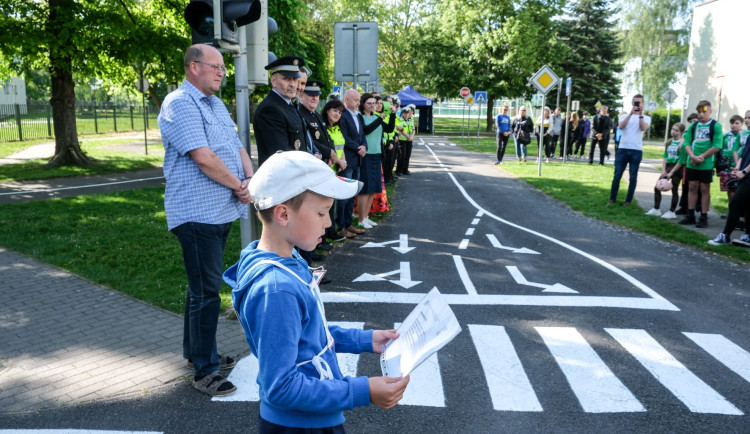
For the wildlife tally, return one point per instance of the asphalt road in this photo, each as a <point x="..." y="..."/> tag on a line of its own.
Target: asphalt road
<point x="569" y="324"/>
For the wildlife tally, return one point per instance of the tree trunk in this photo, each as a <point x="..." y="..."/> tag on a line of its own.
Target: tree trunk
<point x="490" y="118"/>
<point x="67" y="149"/>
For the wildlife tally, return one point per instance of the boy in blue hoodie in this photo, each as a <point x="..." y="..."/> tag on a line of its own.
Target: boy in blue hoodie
<point x="278" y="303"/>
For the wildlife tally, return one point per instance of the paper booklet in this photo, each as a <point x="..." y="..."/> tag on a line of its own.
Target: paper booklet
<point x="427" y="329"/>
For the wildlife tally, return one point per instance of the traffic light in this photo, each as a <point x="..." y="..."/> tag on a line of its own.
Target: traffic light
<point x="258" y="55"/>
<point x="201" y="16"/>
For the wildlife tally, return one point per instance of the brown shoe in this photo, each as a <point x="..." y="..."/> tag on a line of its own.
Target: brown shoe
<point x="345" y="233"/>
<point x="357" y="231"/>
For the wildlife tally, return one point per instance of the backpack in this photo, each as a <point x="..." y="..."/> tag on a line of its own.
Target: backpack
<point x="721" y="163"/>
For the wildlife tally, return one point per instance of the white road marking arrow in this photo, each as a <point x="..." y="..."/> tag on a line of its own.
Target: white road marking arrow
<point x="557" y="287"/>
<point x="403" y="281"/>
<point x="495" y="243"/>
<point x="403" y="244"/>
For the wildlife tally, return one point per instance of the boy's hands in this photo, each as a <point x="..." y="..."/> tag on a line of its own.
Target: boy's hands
<point x="380" y="337"/>
<point x="386" y="392"/>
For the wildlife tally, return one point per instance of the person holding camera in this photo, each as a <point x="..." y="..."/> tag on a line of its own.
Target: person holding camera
<point x="630" y="151"/>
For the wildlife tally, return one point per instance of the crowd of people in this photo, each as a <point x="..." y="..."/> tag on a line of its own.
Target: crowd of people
<point x="307" y="159"/>
<point x="692" y="155"/>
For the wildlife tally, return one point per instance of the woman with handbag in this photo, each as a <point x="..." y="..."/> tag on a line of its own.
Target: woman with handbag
<point x="522" y="128"/>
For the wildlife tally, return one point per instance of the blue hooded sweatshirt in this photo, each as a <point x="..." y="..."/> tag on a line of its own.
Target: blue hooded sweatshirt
<point x="283" y="328"/>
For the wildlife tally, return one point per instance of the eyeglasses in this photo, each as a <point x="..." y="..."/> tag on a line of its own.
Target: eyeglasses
<point x="216" y="67"/>
<point x="702" y="109"/>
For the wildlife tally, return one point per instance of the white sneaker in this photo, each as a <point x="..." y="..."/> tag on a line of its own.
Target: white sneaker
<point x="669" y="215"/>
<point x="654" y="212"/>
<point x="365" y="224"/>
<point x="372" y="223"/>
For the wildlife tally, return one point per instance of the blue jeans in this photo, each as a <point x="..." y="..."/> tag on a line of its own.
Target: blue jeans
<point x="202" y="251"/>
<point x="623" y="157"/>
<point x="345" y="208"/>
<point x="520" y="149"/>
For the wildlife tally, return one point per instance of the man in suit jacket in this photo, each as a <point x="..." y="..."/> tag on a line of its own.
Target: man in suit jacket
<point x="602" y="126"/>
<point x="355" y="148"/>
<point x="277" y="125"/>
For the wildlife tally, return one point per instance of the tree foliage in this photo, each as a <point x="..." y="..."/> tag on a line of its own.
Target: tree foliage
<point x="593" y="56"/>
<point x="657" y="32"/>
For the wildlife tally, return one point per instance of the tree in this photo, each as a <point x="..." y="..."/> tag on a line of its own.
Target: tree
<point x="502" y="42"/>
<point x="109" y="39"/>
<point x="657" y="32"/>
<point x="593" y="54"/>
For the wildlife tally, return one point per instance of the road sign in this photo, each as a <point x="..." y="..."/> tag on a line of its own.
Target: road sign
<point x="337" y="89"/>
<point x="574" y="105"/>
<point x="567" y="86"/>
<point x="652" y="106"/>
<point x="142" y="86"/>
<point x="598" y="105"/>
<point x="465" y="91"/>
<point x="469" y="100"/>
<point x="670" y="96"/>
<point x="544" y="79"/>
<point x="480" y="97"/>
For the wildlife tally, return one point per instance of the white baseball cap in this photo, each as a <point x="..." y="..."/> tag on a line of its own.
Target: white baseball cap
<point x="285" y="175"/>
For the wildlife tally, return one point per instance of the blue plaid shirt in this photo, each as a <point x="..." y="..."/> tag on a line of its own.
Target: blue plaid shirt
<point x="189" y="120"/>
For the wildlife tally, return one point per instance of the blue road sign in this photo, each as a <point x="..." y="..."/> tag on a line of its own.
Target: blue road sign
<point x="652" y="106"/>
<point x="337" y="89"/>
<point x="480" y="97"/>
<point x="567" y="87"/>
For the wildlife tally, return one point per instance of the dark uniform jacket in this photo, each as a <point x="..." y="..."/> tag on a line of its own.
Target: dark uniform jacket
<point x="602" y="124"/>
<point x="316" y="128"/>
<point x="352" y="139"/>
<point x="277" y="127"/>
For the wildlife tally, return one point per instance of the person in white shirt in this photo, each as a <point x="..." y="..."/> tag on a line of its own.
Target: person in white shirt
<point x="630" y="151"/>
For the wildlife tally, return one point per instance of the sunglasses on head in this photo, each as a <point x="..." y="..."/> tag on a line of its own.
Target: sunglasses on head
<point x="702" y="109"/>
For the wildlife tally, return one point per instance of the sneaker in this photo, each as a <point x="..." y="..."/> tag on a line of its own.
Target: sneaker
<point x="743" y="241"/>
<point x="654" y="212"/>
<point x="372" y="223"/>
<point x="702" y="222"/>
<point x="681" y="211"/>
<point x="498" y="162"/>
<point x="687" y="220"/>
<point x="325" y="245"/>
<point x="365" y="224"/>
<point x="669" y="215"/>
<point x="720" y="240"/>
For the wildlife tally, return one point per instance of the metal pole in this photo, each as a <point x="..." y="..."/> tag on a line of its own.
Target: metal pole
<point x="541" y="138"/>
<point x="479" y="118"/>
<point x="356" y="57"/>
<point x="143" y="104"/>
<point x="248" y="226"/>
<point x="567" y="129"/>
<point x="559" y="87"/>
<point x="463" y="118"/>
<point x="666" y="131"/>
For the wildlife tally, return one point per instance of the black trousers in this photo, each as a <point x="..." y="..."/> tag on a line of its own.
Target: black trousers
<point x="404" y="154"/>
<point x="603" y="144"/>
<point x="389" y="160"/>
<point x="502" y="142"/>
<point x="739" y="205"/>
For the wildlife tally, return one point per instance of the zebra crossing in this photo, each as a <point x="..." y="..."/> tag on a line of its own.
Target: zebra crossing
<point x="589" y="378"/>
<point x="435" y="143"/>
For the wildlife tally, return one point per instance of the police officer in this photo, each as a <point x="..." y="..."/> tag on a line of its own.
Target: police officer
<point x="277" y="124"/>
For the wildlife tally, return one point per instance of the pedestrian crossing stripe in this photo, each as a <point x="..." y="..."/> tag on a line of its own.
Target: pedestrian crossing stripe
<point x="593" y="383"/>
<point x="435" y="144"/>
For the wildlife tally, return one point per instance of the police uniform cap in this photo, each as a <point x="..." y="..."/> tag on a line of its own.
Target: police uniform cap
<point x="313" y="87"/>
<point x="288" y="66"/>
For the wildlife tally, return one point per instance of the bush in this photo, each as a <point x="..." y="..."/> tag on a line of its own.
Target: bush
<point x="659" y="118"/>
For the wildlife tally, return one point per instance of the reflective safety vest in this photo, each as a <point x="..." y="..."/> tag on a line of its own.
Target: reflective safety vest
<point x="408" y="127"/>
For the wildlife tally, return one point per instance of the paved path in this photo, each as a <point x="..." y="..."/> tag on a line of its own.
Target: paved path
<point x="65" y="340"/>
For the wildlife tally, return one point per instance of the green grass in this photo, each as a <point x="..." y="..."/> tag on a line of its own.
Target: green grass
<point x="119" y="240"/>
<point x="106" y="160"/>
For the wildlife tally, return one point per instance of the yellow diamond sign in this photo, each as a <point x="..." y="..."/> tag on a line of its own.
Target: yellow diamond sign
<point x="544" y="79"/>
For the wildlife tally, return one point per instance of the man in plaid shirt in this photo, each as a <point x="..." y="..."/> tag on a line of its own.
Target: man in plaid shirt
<point x="207" y="171"/>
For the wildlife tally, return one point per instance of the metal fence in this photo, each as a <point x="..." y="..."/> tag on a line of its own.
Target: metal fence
<point x="34" y="120"/>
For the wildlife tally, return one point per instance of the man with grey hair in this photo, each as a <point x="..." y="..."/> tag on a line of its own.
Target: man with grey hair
<point x="207" y="171"/>
<point x="355" y="148"/>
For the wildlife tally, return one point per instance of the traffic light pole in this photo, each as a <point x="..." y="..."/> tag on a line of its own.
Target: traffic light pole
<point x="248" y="226"/>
